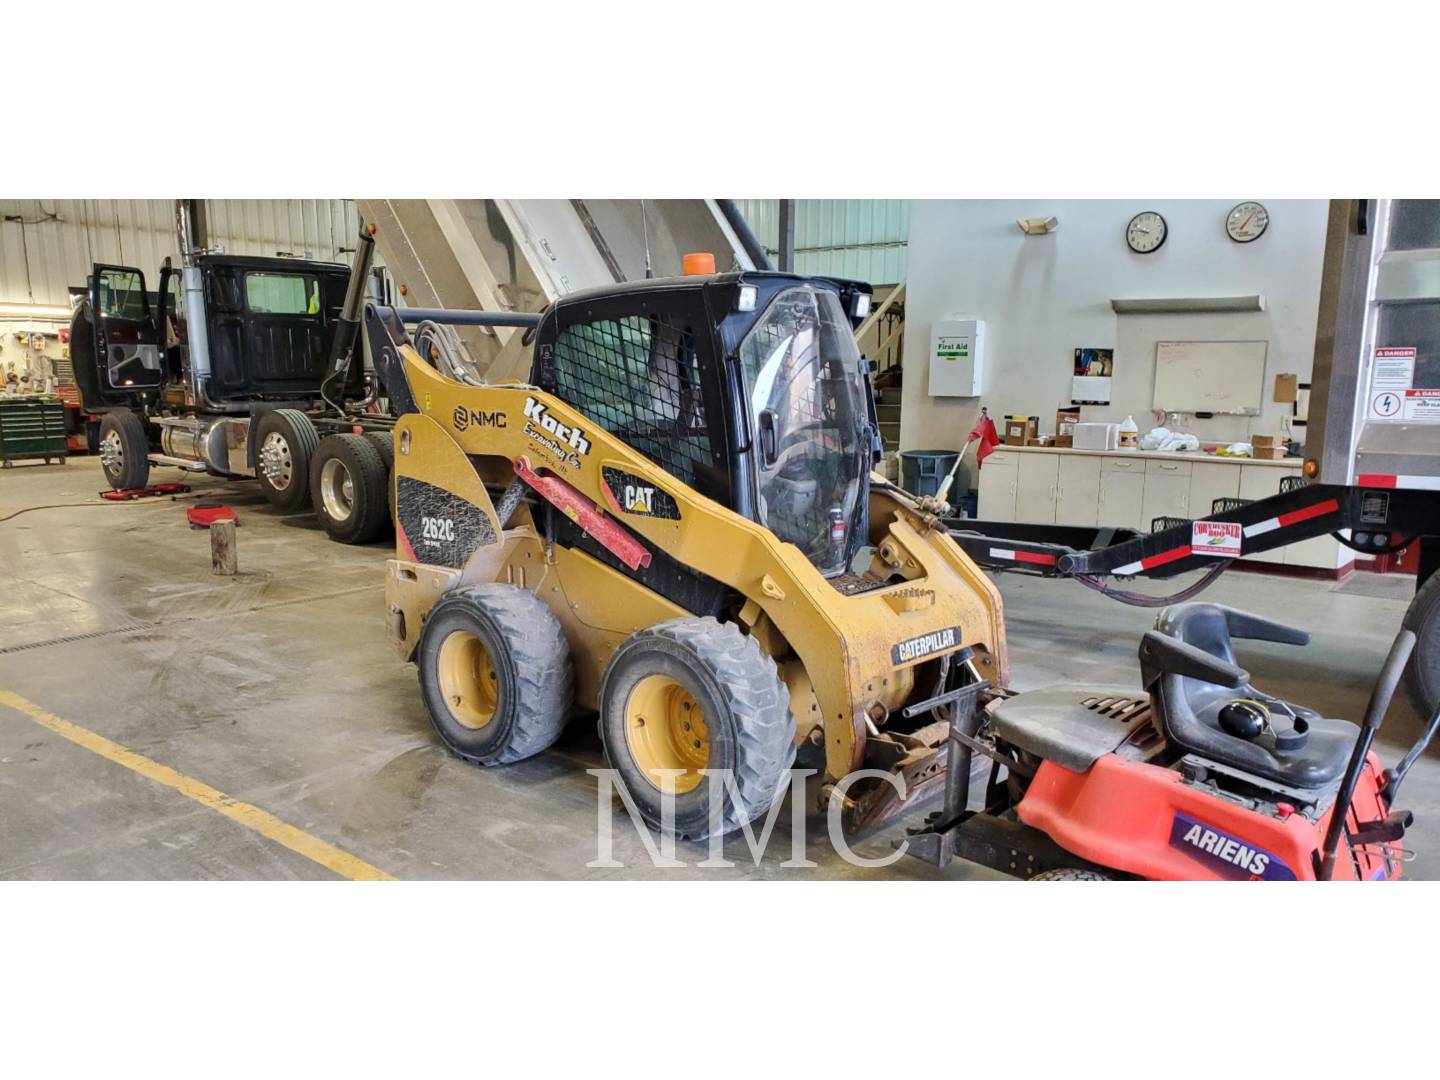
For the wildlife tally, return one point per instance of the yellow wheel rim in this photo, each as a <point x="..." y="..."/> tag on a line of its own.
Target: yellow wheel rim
<point x="665" y="730"/>
<point x="468" y="679"/>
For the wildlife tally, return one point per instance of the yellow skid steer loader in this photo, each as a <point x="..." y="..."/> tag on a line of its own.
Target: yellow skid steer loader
<point x="675" y="523"/>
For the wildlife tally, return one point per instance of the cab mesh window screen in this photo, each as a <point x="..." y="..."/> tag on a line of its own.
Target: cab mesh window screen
<point x="639" y="378"/>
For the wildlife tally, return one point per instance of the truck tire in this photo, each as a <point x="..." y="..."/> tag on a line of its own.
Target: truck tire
<point x="1072" y="873"/>
<point x="495" y="673"/>
<point x="124" y="450"/>
<point x="349" y="488"/>
<point x="285" y="442"/>
<point x="1422" y="674"/>
<point x="384" y="441"/>
<point x="692" y="694"/>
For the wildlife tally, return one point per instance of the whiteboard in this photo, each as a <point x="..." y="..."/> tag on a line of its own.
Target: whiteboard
<point x="1210" y="376"/>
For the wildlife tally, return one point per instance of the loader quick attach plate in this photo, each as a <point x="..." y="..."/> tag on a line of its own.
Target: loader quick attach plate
<point x="441" y="528"/>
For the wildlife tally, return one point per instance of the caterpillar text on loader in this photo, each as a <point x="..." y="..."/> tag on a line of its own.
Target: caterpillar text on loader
<point x="675" y="523"/>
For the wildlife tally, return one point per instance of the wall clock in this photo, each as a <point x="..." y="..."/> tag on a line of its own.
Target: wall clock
<point x="1146" y="232"/>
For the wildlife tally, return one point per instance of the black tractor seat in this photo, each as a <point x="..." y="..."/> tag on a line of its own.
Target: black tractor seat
<point x="1188" y="666"/>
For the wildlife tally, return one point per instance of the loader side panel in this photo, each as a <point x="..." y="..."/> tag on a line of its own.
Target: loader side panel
<point x="443" y="512"/>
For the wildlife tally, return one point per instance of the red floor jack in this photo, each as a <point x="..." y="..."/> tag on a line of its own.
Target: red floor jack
<point x="127" y="494"/>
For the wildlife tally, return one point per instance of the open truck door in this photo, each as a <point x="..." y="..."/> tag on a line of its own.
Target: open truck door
<point x="126" y="333"/>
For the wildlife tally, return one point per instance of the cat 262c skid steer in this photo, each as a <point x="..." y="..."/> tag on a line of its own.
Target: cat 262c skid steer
<point x="675" y="523"/>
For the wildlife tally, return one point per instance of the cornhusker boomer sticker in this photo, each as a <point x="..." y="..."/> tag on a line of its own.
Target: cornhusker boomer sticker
<point x="1216" y="539"/>
<point x="918" y="648"/>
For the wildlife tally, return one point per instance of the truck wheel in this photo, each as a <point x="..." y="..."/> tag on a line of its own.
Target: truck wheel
<point x="495" y="673"/>
<point x="384" y="441"/>
<point x="1422" y="674"/>
<point x="348" y="483"/>
<point x="285" y="442"/>
<point x="124" y="450"/>
<point x="1072" y="873"/>
<point x="692" y="694"/>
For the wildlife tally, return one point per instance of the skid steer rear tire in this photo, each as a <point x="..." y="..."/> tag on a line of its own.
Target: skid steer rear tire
<point x="349" y="488"/>
<point x="495" y="673"/>
<point x="662" y="677"/>
<point x="124" y="450"/>
<point x="285" y="443"/>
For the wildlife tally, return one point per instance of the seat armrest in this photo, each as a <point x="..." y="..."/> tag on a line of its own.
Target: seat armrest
<point x="1161" y="654"/>
<point x="1242" y="624"/>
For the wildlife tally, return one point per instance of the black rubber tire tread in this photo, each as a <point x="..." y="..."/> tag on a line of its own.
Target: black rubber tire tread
<point x="300" y="433"/>
<point x="370" y="481"/>
<point x="384" y="441"/>
<point x="753" y="693"/>
<point x="529" y="648"/>
<point x="134" y="444"/>
<point x="1422" y="674"/>
<point x="1072" y="873"/>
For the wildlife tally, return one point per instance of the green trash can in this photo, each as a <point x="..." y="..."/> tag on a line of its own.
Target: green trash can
<point x="923" y="471"/>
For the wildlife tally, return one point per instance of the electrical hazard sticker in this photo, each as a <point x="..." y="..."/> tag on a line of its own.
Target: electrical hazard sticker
<point x="1216" y="539"/>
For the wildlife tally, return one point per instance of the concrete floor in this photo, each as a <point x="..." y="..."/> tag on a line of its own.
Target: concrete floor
<point x="278" y="688"/>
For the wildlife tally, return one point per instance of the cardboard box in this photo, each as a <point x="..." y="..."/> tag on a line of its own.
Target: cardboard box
<point x="1267" y="442"/>
<point x="1064" y="440"/>
<point x="1020" y="429"/>
<point x="1268" y="453"/>
<point x="1041" y="440"/>
<point x="1065" y="421"/>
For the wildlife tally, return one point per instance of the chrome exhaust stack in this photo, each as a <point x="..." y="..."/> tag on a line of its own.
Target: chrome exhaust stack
<point x="193" y="286"/>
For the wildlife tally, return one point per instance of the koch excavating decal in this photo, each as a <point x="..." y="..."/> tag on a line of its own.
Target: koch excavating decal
<point x="441" y="528"/>
<point x="1224" y="853"/>
<point x="918" y="648"/>
<point x="633" y="495"/>
<point x="561" y="441"/>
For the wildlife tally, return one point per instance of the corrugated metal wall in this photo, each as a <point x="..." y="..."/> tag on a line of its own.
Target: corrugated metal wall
<point x="47" y="245"/>
<point x="854" y="238"/>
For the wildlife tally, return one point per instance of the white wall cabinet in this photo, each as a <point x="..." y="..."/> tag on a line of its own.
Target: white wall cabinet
<point x="1078" y="479"/>
<point x="1122" y="492"/>
<point x="1035" y="487"/>
<point x="1167" y="490"/>
<point x="998" y="475"/>
<point x="1125" y="490"/>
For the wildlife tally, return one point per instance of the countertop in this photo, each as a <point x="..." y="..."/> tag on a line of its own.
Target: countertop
<point x="1289" y="462"/>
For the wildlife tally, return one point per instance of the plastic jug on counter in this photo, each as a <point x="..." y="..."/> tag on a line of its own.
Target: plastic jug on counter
<point x="1129" y="434"/>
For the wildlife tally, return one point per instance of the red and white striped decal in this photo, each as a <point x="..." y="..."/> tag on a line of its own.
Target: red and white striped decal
<point x="1034" y="557"/>
<point x="1152" y="561"/>
<point x="1320" y="509"/>
<point x="1390" y="480"/>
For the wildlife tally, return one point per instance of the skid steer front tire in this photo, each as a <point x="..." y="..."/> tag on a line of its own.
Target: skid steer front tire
<point x="692" y="694"/>
<point x="495" y="673"/>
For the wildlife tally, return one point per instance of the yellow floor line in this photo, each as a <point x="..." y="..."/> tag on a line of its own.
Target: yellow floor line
<point x="252" y="817"/>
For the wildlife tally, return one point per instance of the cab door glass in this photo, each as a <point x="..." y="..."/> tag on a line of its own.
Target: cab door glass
<point x="132" y="357"/>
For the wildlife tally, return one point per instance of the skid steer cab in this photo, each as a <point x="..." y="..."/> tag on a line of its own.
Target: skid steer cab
<point x="674" y="523"/>
<point x="1197" y="775"/>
